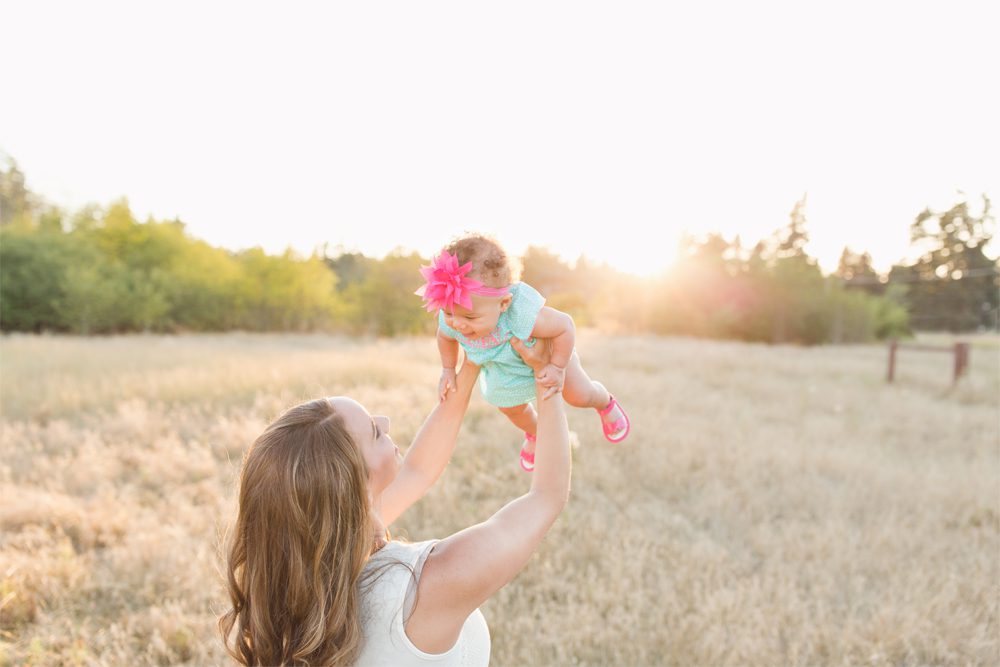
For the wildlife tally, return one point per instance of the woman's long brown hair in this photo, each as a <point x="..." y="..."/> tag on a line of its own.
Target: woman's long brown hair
<point x="301" y="540"/>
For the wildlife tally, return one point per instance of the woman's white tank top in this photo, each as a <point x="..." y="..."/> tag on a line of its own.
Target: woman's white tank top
<point x="387" y="591"/>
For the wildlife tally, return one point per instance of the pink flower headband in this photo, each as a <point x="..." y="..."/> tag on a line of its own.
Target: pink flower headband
<point x="448" y="285"/>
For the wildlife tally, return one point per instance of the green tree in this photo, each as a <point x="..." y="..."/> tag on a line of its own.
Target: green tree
<point x="693" y="297"/>
<point x="31" y="279"/>
<point x="141" y="257"/>
<point x="92" y="297"/>
<point x="383" y="303"/>
<point x="565" y="288"/>
<point x="795" y="282"/>
<point x="351" y="268"/>
<point x="15" y="200"/>
<point x="857" y="272"/>
<point x="203" y="289"/>
<point x="545" y="271"/>
<point x="954" y="285"/>
<point x="284" y="292"/>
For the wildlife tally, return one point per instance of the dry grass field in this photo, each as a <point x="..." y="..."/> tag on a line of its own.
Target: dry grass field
<point x="774" y="505"/>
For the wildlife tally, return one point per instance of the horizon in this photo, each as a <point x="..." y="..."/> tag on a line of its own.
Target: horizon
<point x="333" y="250"/>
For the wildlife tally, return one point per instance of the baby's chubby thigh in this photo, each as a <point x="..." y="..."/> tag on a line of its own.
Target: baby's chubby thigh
<point x="522" y="416"/>
<point x="578" y="389"/>
<point x="515" y="411"/>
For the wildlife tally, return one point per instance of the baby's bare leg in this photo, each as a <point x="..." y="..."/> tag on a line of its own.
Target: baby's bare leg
<point x="522" y="416"/>
<point x="580" y="391"/>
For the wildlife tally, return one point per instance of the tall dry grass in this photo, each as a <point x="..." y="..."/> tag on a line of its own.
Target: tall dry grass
<point x="774" y="505"/>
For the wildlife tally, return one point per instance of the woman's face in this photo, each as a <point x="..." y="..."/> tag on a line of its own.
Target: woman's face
<point x="371" y="432"/>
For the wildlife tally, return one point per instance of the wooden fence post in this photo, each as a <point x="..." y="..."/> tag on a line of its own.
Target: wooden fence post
<point x="892" y="359"/>
<point x="961" y="360"/>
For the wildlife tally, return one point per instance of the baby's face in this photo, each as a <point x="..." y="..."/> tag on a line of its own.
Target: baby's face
<point x="481" y="319"/>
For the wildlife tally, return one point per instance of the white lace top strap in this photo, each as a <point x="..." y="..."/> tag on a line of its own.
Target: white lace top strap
<point x="388" y="589"/>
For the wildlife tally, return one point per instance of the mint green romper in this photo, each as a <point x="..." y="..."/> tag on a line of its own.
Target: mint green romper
<point x="505" y="379"/>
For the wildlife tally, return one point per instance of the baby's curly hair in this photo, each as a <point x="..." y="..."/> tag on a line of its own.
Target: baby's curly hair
<point x="490" y="264"/>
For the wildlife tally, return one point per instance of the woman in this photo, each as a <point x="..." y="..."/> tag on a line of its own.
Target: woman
<point x="312" y="577"/>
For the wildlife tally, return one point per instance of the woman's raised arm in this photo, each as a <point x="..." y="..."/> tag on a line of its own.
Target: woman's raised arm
<point x="430" y="451"/>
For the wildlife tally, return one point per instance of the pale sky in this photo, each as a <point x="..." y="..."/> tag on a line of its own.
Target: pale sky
<point x="599" y="128"/>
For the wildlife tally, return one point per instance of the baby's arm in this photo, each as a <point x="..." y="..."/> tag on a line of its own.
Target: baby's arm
<point x="448" y="349"/>
<point x="558" y="327"/>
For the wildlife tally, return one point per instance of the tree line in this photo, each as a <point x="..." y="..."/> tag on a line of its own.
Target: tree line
<point x="100" y="270"/>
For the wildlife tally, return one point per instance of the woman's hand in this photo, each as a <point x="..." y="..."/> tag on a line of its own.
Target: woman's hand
<point x="537" y="357"/>
<point x="552" y="378"/>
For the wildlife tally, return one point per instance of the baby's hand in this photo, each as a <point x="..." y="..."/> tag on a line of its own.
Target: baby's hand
<point x="446" y="383"/>
<point x="552" y="377"/>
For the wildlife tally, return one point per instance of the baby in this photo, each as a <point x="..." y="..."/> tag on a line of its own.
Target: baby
<point x="469" y="285"/>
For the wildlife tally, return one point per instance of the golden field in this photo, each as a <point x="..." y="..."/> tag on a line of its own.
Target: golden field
<point x="773" y="505"/>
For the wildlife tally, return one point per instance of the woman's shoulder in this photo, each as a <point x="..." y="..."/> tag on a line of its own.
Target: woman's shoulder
<point x="391" y="570"/>
<point x="402" y="552"/>
<point x="389" y="577"/>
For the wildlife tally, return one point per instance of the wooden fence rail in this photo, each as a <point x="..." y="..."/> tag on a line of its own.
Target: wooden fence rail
<point x="960" y="350"/>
